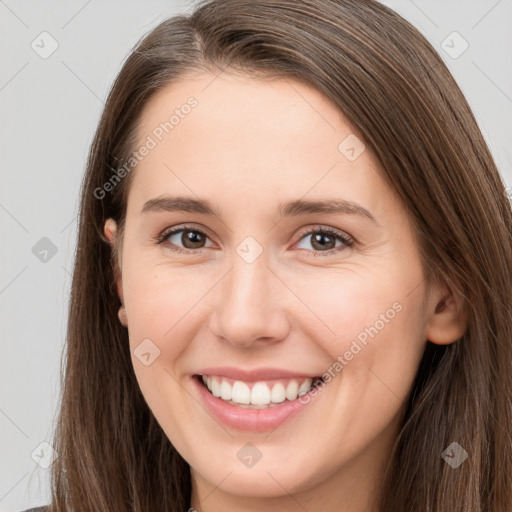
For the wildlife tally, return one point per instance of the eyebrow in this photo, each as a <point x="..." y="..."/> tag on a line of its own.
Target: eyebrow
<point x="290" y="209"/>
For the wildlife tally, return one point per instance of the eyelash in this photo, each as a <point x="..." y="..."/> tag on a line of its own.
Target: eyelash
<point x="347" y="241"/>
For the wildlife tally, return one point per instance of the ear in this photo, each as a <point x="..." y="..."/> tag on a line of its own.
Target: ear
<point x="109" y="229"/>
<point x="447" y="320"/>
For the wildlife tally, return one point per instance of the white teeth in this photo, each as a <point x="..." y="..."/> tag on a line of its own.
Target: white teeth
<point x="226" y="391"/>
<point x="304" y="387"/>
<point x="278" y="393"/>
<point x="292" y="389"/>
<point x="215" y="386"/>
<point x="241" y="393"/>
<point x="260" y="396"/>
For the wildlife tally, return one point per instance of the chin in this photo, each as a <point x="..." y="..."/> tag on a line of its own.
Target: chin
<point x="260" y="481"/>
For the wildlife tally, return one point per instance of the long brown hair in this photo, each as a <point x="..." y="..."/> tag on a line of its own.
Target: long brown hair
<point x="397" y="93"/>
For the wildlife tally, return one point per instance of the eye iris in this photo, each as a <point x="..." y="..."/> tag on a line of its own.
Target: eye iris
<point x="318" y="237"/>
<point x="191" y="237"/>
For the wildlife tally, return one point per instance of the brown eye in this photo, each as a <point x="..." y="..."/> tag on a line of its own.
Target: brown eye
<point x="323" y="240"/>
<point x="184" y="239"/>
<point x="192" y="239"/>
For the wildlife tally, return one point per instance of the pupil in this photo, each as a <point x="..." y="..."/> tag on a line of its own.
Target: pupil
<point x="190" y="237"/>
<point x="317" y="239"/>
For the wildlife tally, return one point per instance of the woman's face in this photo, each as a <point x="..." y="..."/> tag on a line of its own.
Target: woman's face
<point x="250" y="298"/>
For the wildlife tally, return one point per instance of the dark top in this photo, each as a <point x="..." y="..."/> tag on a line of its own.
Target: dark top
<point x="37" y="509"/>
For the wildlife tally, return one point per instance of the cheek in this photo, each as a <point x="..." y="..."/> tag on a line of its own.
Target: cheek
<point x="354" y="303"/>
<point x="159" y="306"/>
<point x="156" y="299"/>
<point x="370" y="323"/>
<point x="166" y="306"/>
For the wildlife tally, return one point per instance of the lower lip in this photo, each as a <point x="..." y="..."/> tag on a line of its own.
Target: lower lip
<point x="253" y="420"/>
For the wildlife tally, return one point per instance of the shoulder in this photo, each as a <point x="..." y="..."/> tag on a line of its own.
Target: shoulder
<point x="37" y="509"/>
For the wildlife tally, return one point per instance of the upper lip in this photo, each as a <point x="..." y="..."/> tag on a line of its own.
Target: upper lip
<point x="254" y="375"/>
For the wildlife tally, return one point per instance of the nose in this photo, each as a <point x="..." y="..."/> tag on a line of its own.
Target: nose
<point x="250" y="308"/>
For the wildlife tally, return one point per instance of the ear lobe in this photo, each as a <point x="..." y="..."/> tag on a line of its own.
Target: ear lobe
<point x="119" y="282"/>
<point x="448" y="319"/>
<point x="109" y="229"/>
<point x="122" y="316"/>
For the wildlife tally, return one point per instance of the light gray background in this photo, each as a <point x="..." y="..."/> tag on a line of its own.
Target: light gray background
<point x="49" y="110"/>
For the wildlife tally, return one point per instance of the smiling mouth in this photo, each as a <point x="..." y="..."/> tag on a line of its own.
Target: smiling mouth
<point x="260" y="394"/>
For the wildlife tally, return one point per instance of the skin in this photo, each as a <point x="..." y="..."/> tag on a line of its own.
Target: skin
<point x="248" y="146"/>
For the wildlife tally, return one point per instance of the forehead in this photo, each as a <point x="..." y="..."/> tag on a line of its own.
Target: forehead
<point x="251" y="140"/>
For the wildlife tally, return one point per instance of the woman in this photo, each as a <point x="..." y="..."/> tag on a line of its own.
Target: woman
<point x="292" y="280"/>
